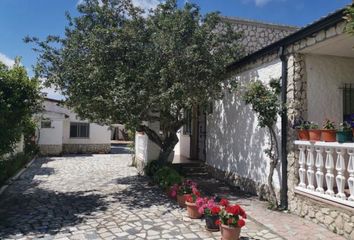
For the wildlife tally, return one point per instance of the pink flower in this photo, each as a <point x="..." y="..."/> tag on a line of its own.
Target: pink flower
<point x="173" y="193"/>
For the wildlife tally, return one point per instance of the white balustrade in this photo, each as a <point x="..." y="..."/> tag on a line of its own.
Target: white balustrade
<point x="319" y="170"/>
<point x="326" y="170"/>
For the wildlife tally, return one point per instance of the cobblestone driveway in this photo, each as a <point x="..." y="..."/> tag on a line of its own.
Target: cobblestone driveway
<point x="96" y="197"/>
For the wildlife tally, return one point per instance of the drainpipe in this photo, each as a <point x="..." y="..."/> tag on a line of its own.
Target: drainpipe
<point x="284" y="131"/>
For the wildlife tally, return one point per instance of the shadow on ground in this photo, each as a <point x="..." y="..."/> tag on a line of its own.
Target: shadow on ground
<point x="27" y="209"/>
<point x="139" y="193"/>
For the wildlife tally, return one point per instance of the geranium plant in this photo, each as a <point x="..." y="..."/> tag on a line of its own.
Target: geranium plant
<point x="232" y="215"/>
<point x="186" y="187"/>
<point x="208" y="207"/>
<point x="192" y="197"/>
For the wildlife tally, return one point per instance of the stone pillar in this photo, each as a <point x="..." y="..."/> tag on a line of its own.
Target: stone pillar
<point x="297" y="107"/>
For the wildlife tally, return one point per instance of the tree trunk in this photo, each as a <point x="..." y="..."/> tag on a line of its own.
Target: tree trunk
<point x="168" y="146"/>
<point x="274" y="159"/>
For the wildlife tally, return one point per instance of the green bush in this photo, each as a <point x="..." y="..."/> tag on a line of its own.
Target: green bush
<point x="10" y="166"/>
<point x="166" y="177"/>
<point x="152" y="167"/>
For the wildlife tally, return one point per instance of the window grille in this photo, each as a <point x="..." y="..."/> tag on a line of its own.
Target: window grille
<point x="79" y="130"/>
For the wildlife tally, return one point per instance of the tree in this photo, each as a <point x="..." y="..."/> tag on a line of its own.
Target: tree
<point x="117" y="64"/>
<point x="266" y="103"/>
<point x="350" y="19"/>
<point x="19" y="100"/>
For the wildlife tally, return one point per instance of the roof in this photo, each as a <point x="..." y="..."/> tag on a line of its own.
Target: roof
<point x="259" y="23"/>
<point x="52" y="100"/>
<point x="304" y="32"/>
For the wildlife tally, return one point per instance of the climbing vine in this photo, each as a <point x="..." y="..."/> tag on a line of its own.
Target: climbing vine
<point x="266" y="103"/>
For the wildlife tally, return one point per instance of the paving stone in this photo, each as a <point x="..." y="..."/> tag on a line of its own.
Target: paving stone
<point x="97" y="197"/>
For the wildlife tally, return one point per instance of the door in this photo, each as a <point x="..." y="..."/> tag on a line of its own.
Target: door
<point x="201" y="136"/>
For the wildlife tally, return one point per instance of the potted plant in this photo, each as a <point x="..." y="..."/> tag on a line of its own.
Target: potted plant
<point x="314" y="132"/>
<point x="211" y="210"/>
<point x="329" y="131"/>
<point x="184" y="190"/>
<point x="192" y="208"/>
<point x="344" y="133"/>
<point x="231" y="221"/>
<point x="302" y="128"/>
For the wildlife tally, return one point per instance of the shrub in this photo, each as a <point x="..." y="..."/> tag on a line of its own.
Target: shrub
<point x="11" y="165"/>
<point x="166" y="177"/>
<point x="152" y="167"/>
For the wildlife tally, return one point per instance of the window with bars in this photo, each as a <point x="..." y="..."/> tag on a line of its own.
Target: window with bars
<point x="348" y="102"/>
<point x="79" y="130"/>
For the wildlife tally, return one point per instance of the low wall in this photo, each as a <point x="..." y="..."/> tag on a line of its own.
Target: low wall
<point x="50" y="149"/>
<point x="86" y="148"/>
<point x="337" y="218"/>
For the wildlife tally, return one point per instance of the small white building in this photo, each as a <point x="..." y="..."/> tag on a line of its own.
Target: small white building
<point x="61" y="131"/>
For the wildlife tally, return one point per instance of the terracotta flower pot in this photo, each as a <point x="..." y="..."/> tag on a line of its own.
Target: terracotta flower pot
<point x="230" y="233"/>
<point x="328" y="135"/>
<point x="192" y="210"/>
<point x="181" y="200"/>
<point x="210" y="223"/>
<point x="303" y="135"/>
<point x="315" y="135"/>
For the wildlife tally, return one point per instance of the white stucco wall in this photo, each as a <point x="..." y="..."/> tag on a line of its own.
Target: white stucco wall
<point x="325" y="75"/>
<point x="235" y="143"/>
<point x="53" y="135"/>
<point x="59" y="133"/>
<point x="145" y="149"/>
<point x="182" y="148"/>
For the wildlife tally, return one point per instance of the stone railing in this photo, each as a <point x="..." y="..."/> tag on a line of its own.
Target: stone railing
<point x="326" y="170"/>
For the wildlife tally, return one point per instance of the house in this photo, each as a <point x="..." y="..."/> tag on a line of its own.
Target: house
<point x="315" y="179"/>
<point x="61" y="131"/>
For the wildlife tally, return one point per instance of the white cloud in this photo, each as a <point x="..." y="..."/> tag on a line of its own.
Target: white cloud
<point x="146" y="4"/>
<point x="6" y="60"/>
<point x="260" y="3"/>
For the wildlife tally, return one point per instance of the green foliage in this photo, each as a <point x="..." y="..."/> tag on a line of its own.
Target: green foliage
<point x="350" y="19"/>
<point x="344" y="126"/>
<point x="166" y="177"/>
<point x="116" y="64"/>
<point x="329" y="125"/>
<point x="265" y="101"/>
<point x="19" y="99"/>
<point x="9" y="167"/>
<point x="313" y="126"/>
<point x="152" y="167"/>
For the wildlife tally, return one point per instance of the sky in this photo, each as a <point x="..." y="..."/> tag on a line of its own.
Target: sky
<point x="39" y="18"/>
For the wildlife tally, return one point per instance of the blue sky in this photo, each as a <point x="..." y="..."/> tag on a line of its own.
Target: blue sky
<point x="39" y="18"/>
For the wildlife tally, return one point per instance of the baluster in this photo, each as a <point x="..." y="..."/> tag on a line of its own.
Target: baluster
<point x="319" y="172"/>
<point x="310" y="168"/>
<point x="302" y="170"/>
<point x="329" y="175"/>
<point x="340" y="179"/>
<point x="351" y="174"/>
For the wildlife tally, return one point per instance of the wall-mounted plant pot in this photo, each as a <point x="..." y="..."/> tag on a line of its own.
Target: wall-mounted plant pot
<point x="315" y="135"/>
<point x="344" y="136"/>
<point x="328" y="135"/>
<point x="303" y="135"/>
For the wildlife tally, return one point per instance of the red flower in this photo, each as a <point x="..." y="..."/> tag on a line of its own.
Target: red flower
<point x="234" y="210"/>
<point x="189" y="199"/>
<point x="230" y="221"/>
<point x="218" y="222"/>
<point x="243" y="213"/>
<point x="195" y="191"/>
<point x="215" y="210"/>
<point x="224" y="202"/>
<point x="241" y="223"/>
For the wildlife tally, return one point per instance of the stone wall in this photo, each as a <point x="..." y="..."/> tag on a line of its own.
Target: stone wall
<point x="50" y="149"/>
<point x="335" y="217"/>
<point x="86" y="148"/>
<point x="257" y="35"/>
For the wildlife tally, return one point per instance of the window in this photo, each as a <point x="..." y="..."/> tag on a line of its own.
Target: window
<point x="46" y="123"/>
<point x="79" y="130"/>
<point x="348" y="102"/>
<point x="187" y="128"/>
